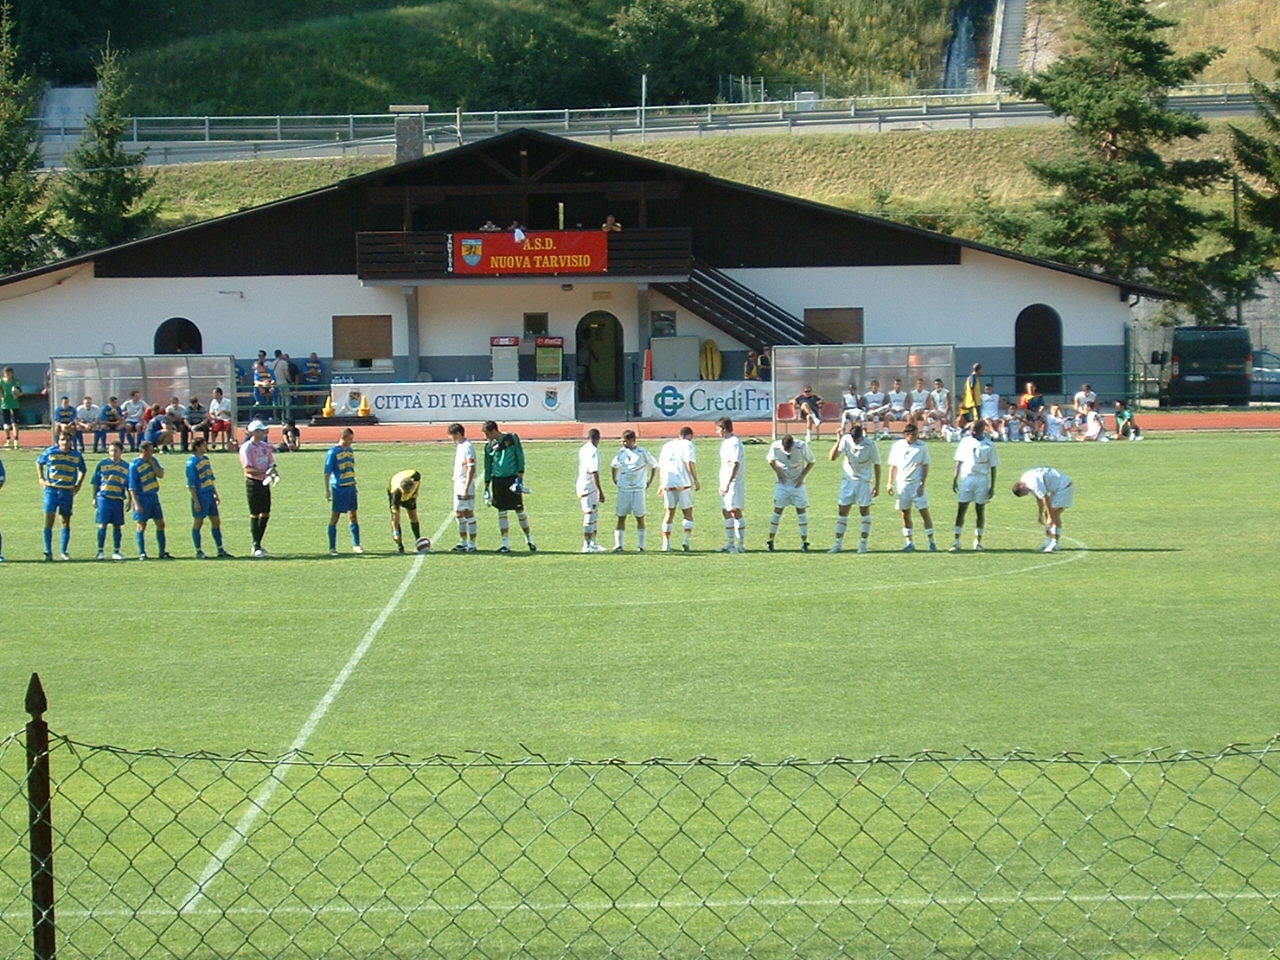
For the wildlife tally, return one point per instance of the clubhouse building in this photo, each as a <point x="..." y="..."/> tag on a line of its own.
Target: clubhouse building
<point x="415" y="273"/>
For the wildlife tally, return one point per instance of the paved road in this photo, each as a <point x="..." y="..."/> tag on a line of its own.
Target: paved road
<point x="933" y="116"/>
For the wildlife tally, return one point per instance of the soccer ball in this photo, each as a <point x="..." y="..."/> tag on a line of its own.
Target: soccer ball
<point x="424" y="544"/>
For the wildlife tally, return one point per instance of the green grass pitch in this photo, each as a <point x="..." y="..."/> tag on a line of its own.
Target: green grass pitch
<point x="1154" y="627"/>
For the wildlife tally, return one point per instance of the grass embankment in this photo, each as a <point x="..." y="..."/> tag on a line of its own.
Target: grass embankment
<point x="896" y="175"/>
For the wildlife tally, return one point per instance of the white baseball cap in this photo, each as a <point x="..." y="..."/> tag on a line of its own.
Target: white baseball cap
<point x="256" y="425"/>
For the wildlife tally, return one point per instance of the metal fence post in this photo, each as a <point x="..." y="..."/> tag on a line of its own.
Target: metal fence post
<point x="41" y="823"/>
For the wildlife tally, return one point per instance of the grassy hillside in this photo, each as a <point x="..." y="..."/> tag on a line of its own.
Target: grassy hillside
<point x="898" y="175"/>
<point x="1237" y="26"/>
<point x="233" y="57"/>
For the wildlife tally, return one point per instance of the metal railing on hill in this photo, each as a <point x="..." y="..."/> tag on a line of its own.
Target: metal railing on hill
<point x="114" y="853"/>
<point x="272" y="133"/>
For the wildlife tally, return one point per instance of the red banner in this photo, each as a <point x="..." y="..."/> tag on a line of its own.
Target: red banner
<point x="549" y="252"/>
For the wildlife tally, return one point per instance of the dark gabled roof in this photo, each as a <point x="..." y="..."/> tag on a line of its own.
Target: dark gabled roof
<point x="733" y="224"/>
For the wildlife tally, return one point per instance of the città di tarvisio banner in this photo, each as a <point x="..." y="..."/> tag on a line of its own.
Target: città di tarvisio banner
<point x="541" y="400"/>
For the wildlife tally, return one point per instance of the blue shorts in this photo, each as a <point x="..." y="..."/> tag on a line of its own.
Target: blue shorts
<point x="344" y="499"/>
<point x="110" y="511"/>
<point x="207" y="507"/>
<point x="149" y="509"/>
<point x="59" y="500"/>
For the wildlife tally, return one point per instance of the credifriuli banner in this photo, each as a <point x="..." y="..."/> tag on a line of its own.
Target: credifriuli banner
<point x="706" y="400"/>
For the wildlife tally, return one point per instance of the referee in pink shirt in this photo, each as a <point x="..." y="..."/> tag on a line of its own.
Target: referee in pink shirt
<point x="259" y="462"/>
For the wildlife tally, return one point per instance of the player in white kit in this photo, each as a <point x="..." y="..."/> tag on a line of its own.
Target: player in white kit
<point x="733" y="464"/>
<point x="791" y="461"/>
<point x="861" y="483"/>
<point x="975" y="477"/>
<point x="678" y="477"/>
<point x="633" y="470"/>
<point x="590" y="493"/>
<point x="908" y="472"/>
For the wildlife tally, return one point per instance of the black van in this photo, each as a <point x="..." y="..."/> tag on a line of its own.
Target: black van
<point x="1210" y="365"/>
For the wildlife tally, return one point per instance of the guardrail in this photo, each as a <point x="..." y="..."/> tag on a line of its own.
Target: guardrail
<point x="460" y="126"/>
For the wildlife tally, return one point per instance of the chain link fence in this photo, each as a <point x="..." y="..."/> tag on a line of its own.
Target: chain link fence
<point x="159" y="854"/>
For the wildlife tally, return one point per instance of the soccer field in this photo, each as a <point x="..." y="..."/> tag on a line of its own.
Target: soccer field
<point x="1154" y="627"/>
<point x="983" y="699"/>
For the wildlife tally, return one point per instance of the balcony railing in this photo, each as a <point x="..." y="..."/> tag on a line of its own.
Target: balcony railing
<point x="663" y="253"/>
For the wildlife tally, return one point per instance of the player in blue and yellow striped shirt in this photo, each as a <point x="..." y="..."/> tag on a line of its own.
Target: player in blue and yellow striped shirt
<point x="61" y="471"/>
<point x="110" y="490"/>
<point x="340" y="488"/>
<point x="144" y="488"/>
<point x="205" y="501"/>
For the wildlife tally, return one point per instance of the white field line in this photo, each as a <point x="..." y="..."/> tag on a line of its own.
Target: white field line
<point x="344" y="907"/>
<point x="262" y="799"/>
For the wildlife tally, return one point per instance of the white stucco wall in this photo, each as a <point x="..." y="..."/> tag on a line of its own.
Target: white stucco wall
<point x="974" y="303"/>
<point x="71" y="312"/>
<point x="459" y="319"/>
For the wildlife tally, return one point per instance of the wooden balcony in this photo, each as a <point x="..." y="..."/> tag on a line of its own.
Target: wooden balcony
<point x="661" y="254"/>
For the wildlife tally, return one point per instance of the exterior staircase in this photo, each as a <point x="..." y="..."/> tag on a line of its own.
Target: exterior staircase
<point x="738" y="310"/>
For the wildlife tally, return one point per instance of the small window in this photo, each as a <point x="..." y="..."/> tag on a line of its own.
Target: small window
<point x="535" y="325"/>
<point x="362" y="343"/>
<point x="662" y="323"/>
<point x="841" y="324"/>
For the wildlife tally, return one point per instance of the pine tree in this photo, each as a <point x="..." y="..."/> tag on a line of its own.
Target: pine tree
<point x="22" y="187"/>
<point x="1117" y="205"/>
<point x="1259" y="157"/>
<point x="102" y="197"/>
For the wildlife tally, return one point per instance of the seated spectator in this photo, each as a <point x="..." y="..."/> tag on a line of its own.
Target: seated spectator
<point x="751" y="366"/>
<point x="113" y="418"/>
<point x="487" y="227"/>
<point x="1094" y="428"/>
<point x="198" y="420"/>
<point x="1033" y="407"/>
<point x="89" y="420"/>
<point x="611" y="225"/>
<point x="134" y="410"/>
<point x="264" y="386"/>
<point x="1015" y="424"/>
<point x="1126" y="426"/>
<point x="1055" y="424"/>
<point x="291" y="438"/>
<point x="989" y="411"/>
<point x="851" y="410"/>
<point x="64" y="421"/>
<point x="808" y="407"/>
<point x="179" y="424"/>
<point x="156" y="429"/>
<point x="220" y="423"/>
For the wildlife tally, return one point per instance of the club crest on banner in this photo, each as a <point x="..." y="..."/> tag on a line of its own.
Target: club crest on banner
<point x="472" y="249"/>
<point x="551" y="399"/>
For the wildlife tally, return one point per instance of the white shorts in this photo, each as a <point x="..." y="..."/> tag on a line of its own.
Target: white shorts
<point x="854" y="414"/>
<point x="855" y="492"/>
<point x="1063" y="498"/>
<point x="630" y="502"/>
<point x="906" y="499"/>
<point x="892" y="415"/>
<point x="463" y="504"/>
<point x="789" y="495"/>
<point x="589" y="500"/>
<point x="678" y="497"/>
<point x="975" y="488"/>
<point x="735" y="499"/>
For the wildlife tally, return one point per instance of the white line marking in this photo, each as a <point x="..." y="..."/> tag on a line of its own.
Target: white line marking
<point x="262" y="799"/>
<point x="1148" y="898"/>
